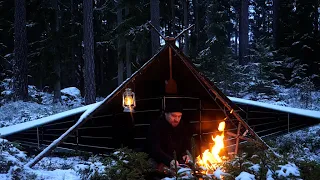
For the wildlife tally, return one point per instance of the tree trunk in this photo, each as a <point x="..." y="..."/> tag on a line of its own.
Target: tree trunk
<point x="186" y="24"/>
<point x="128" y="59"/>
<point x="229" y="33"/>
<point x="316" y="18"/>
<point x="195" y="35"/>
<point x="243" y="33"/>
<point x="57" y="84"/>
<point x="76" y="58"/>
<point x="128" y="50"/>
<point x="120" y="44"/>
<point x="89" y="65"/>
<point x="155" y="15"/>
<point x="275" y="28"/>
<point x="100" y="49"/>
<point x="74" y="64"/>
<point x="236" y="33"/>
<point x="173" y="23"/>
<point x="56" y="66"/>
<point x="20" y="79"/>
<point x="120" y="71"/>
<point x="268" y="20"/>
<point x="264" y="23"/>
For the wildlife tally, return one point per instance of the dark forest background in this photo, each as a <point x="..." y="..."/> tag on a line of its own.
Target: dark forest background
<point x="244" y="46"/>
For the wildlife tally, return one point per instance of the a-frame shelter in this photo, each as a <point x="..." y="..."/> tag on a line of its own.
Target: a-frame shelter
<point x="106" y="127"/>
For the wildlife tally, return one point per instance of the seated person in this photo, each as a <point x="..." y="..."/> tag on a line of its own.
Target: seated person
<point x="168" y="134"/>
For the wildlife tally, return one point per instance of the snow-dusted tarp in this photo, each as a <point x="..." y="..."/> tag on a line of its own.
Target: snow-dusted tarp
<point x="5" y="131"/>
<point x="297" y="111"/>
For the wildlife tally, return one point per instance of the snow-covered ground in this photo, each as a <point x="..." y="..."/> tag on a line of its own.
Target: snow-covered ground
<point x="13" y="160"/>
<point x="290" y="97"/>
<point x="40" y="106"/>
<point x="300" y="146"/>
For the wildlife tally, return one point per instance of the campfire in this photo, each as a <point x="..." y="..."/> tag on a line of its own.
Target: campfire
<point x="210" y="158"/>
<point x="210" y="162"/>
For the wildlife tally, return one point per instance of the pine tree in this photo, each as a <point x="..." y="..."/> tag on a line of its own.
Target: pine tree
<point x="89" y="66"/>
<point x="306" y="87"/>
<point x="275" y="23"/>
<point x="20" y="66"/>
<point x="186" y="24"/>
<point x="120" y="45"/>
<point x="6" y="37"/>
<point x="128" y="50"/>
<point x="57" y="62"/>
<point x="155" y="21"/>
<point x="243" y="32"/>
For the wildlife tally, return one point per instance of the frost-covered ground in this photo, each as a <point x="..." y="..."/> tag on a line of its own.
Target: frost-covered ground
<point x="299" y="150"/>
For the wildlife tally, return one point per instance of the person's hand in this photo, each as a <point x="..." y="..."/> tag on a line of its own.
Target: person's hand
<point x="172" y="164"/>
<point x="186" y="158"/>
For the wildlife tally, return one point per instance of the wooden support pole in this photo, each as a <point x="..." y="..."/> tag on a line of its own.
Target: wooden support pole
<point x="183" y="31"/>
<point x="41" y="142"/>
<point x="77" y="135"/>
<point x="247" y="115"/>
<point x="240" y="137"/>
<point x="288" y="123"/>
<point x="237" y="138"/>
<point x="38" y="138"/>
<point x="83" y="118"/>
<point x="157" y="31"/>
<point x="200" y="124"/>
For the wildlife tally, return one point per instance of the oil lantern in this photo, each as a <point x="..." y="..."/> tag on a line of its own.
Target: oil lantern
<point x="128" y="100"/>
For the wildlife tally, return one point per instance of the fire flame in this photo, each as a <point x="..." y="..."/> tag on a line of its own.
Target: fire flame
<point x="210" y="159"/>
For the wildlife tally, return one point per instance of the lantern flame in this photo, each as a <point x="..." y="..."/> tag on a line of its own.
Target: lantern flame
<point x="128" y="101"/>
<point x="211" y="159"/>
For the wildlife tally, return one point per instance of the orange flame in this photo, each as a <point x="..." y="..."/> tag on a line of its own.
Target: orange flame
<point x="210" y="160"/>
<point x="128" y="101"/>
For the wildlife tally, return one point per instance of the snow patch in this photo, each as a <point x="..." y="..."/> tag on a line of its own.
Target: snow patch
<point x="71" y="91"/>
<point x="287" y="170"/>
<point x="245" y="176"/>
<point x="255" y="168"/>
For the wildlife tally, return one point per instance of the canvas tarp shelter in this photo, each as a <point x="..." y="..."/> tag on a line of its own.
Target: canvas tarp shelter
<point x="106" y="127"/>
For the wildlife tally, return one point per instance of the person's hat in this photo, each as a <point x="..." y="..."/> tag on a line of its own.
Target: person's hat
<point x="173" y="105"/>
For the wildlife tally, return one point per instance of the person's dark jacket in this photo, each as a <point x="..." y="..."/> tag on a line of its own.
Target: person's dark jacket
<point x="163" y="139"/>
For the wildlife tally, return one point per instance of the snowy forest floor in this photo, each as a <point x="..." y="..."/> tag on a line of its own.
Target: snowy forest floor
<point x="300" y="151"/>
